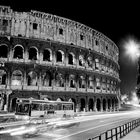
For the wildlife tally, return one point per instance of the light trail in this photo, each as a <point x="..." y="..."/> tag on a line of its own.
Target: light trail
<point x="92" y="128"/>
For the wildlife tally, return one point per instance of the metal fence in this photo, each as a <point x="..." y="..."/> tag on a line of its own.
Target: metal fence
<point x="117" y="132"/>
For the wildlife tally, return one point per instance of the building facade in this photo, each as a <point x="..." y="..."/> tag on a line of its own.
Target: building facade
<point x="45" y="56"/>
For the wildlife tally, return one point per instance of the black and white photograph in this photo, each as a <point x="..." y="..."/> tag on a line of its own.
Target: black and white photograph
<point x="69" y="70"/>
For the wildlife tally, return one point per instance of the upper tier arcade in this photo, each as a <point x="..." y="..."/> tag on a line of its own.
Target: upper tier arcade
<point x="46" y="26"/>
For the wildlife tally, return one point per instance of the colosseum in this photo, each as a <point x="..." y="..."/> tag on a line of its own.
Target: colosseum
<point x="45" y="56"/>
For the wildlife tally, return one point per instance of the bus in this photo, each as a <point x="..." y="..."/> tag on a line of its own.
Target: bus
<point x="27" y="108"/>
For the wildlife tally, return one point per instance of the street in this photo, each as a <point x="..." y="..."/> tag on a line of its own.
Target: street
<point x="79" y="128"/>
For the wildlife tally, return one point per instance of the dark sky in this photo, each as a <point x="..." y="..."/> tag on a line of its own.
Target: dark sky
<point x="116" y="20"/>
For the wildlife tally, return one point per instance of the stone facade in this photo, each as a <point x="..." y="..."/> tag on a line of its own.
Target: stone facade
<point x="47" y="56"/>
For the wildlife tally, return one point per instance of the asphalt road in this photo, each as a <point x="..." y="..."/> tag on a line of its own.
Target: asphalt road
<point x="80" y="128"/>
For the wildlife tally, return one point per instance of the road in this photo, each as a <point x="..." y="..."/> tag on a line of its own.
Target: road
<point x="79" y="128"/>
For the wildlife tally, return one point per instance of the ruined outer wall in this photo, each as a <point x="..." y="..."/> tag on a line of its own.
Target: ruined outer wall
<point x="46" y="26"/>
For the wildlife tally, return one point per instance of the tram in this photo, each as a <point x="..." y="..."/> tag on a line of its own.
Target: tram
<point x="27" y="108"/>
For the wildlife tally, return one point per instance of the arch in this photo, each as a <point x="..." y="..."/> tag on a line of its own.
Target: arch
<point x="33" y="53"/>
<point x="82" y="82"/>
<point x="59" y="56"/>
<point x="3" y="50"/>
<point x="72" y="81"/>
<point x="98" y="105"/>
<point x="47" y="79"/>
<point x="96" y="63"/>
<point x="3" y="77"/>
<point x="47" y="55"/>
<point x="16" y="78"/>
<point x="90" y="104"/>
<point x="98" y="84"/>
<point x="59" y="80"/>
<point x="71" y="58"/>
<point x="13" y="104"/>
<point x="89" y="61"/>
<point x="109" y="104"/>
<point x="74" y="101"/>
<point x="32" y="78"/>
<point x="18" y="52"/>
<point x="81" y="60"/>
<point x="90" y="82"/>
<point x="104" y="104"/>
<point x="83" y="104"/>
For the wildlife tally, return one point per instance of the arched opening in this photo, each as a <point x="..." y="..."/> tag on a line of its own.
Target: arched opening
<point x="98" y="85"/>
<point x="97" y="64"/>
<point x="89" y="62"/>
<point x="109" y="104"/>
<point x="59" y="56"/>
<point x="81" y="60"/>
<point x="83" y="105"/>
<point x="90" y="104"/>
<point x="18" y="52"/>
<point x="33" y="53"/>
<point x="59" y="80"/>
<point x="47" y="55"/>
<point x="32" y="79"/>
<point x="17" y="78"/>
<point x="98" y="105"/>
<point x="13" y="105"/>
<point x="70" y="59"/>
<point x="104" y="105"/>
<point x="47" y="80"/>
<point x="3" y="51"/>
<point x="82" y="82"/>
<point x="72" y="81"/>
<point x="90" y="82"/>
<point x="74" y="101"/>
<point x="2" y="77"/>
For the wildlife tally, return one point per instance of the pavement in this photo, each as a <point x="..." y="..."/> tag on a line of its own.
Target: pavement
<point x="135" y="134"/>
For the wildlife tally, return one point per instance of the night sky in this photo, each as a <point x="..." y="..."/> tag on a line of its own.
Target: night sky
<point x="116" y="20"/>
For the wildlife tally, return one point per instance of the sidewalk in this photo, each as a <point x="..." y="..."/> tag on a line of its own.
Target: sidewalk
<point x="133" y="135"/>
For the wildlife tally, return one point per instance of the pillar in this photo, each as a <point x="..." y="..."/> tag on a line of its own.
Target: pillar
<point x="7" y="100"/>
<point x="94" y="107"/>
<point x="101" y="105"/>
<point x="86" y="105"/>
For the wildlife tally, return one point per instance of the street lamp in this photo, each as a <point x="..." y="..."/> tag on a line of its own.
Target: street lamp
<point x="132" y="49"/>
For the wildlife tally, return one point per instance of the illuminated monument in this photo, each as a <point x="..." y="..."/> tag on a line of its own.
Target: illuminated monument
<point x="47" y="56"/>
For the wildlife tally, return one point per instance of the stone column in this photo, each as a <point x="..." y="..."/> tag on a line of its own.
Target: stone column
<point x="94" y="107"/>
<point x="106" y="105"/>
<point x="24" y="79"/>
<point x="77" y="105"/>
<point x="7" y="100"/>
<point x="101" y="105"/>
<point x="86" y="105"/>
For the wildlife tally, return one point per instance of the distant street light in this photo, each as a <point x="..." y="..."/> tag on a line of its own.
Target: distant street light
<point x="132" y="49"/>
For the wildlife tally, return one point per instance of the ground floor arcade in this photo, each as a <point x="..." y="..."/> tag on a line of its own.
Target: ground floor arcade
<point x="82" y="101"/>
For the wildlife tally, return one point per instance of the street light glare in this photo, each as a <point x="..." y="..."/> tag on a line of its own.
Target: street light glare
<point x="132" y="49"/>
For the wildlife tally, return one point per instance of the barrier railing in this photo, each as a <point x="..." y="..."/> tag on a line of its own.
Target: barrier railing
<point x="117" y="132"/>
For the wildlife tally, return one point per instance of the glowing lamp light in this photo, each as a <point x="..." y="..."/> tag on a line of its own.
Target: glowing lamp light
<point x="132" y="49"/>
